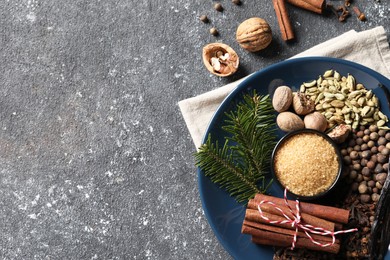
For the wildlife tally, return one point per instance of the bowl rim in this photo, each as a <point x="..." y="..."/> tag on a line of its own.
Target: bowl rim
<point x="339" y="159"/>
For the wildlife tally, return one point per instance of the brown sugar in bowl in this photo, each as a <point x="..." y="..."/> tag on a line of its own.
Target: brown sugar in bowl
<point x="308" y="163"/>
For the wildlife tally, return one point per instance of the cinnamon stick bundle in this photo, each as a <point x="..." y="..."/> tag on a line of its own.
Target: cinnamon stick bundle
<point x="325" y="212"/>
<point x="270" y="231"/>
<point x="317" y="6"/>
<point x="307" y="218"/>
<point x="286" y="29"/>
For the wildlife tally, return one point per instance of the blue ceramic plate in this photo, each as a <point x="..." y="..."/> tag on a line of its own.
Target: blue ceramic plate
<point x="224" y="215"/>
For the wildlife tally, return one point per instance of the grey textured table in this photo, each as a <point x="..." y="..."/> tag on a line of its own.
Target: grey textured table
<point x="95" y="158"/>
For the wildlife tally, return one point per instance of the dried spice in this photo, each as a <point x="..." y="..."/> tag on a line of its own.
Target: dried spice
<point x="316" y="6"/>
<point x="344" y="101"/>
<point x="285" y="26"/>
<point x="218" y="7"/>
<point x="360" y="15"/>
<point x="204" y="18"/>
<point x="214" y="31"/>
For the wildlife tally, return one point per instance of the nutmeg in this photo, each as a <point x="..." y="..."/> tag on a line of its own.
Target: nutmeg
<point x="316" y="121"/>
<point x="288" y="122"/>
<point x="302" y="104"/>
<point x="254" y="34"/>
<point x="282" y="99"/>
<point x="340" y="133"/>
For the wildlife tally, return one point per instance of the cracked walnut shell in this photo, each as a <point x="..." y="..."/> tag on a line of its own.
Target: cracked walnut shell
<point x="254" y="34"/>
<point x="220" y="59"/>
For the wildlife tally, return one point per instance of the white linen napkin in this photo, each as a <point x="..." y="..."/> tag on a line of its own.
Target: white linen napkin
<point x="369" y="48"/>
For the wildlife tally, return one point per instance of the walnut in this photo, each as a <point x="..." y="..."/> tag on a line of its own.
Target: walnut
<point x="220" y="59"/>
<point x="254" y="34"/>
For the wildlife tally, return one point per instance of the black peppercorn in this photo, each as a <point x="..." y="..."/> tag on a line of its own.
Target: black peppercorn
<point x="366" y="154"/>
<point x="218" y="7"/>
<point x="373" y="128"/>
<point x="214" y="31"/>
<point x="347" y="159"/>
<point x="382" y="132"/>
<point x="365" y="198"/>
<point x="371" y="183"/>
<point x="204" y="18"/>
<point x="385" y="151"/>
<point x="371" y="164"/>
<point x="363" y="162"/>
<point x="364" y="147"/>
<point x="357" y="167"/>
<point x="366" y="171"/>
<point x="354" y="155"/>
<point x="374" y="136"/>
<point x="366" y="138"/>
<point x="381" y="158"/>
<point x="360" y="134"/>
<point x="378" y="168"/>
<point x="353" y="175"/>
<point x="359" y="141"/>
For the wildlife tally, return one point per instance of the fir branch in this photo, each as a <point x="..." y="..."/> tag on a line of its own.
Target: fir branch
<point x="219" y="165"/>
<point x="240" y="168"/>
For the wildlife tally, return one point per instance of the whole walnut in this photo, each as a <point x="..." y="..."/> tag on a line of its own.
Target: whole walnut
<point x="254" y="34"/>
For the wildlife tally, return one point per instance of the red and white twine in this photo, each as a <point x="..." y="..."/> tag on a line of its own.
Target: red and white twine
<point x="298" y="224"/>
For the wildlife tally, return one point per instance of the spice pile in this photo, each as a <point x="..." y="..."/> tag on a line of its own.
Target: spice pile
<point x="343" y="101"/>
<point x="367" y="157"/>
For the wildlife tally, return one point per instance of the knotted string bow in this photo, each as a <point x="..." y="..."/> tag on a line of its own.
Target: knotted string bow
<point x="298" y="224"/>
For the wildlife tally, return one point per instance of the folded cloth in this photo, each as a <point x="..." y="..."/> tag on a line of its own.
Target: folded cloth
<point x="369" y="48"/>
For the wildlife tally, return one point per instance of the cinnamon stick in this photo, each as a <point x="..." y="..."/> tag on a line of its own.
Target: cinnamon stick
<point x="307" y="218"/>
<point x="325" y="212"/>
<point x="317" y="6"/>
<point x="276" y="239"/>
<point x="254" y="216"/>
<point x="283" y="20"/>
<point x="326" y="239"/>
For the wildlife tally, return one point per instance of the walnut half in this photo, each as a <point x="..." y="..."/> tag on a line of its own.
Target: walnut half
<point x="220" y="59"/>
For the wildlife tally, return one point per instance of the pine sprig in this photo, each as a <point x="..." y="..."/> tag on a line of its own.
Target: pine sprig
<point x="241" y="168"/>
